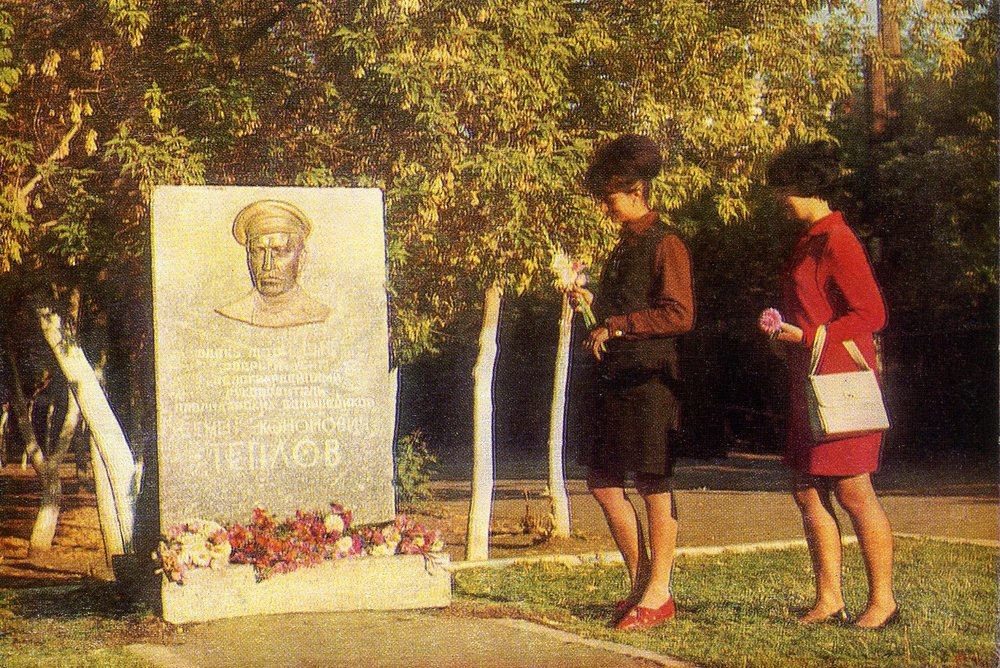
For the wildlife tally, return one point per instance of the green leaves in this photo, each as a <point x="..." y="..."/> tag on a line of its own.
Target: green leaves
<point x="166" y="158"/>
<point x="129" y="19"/>
<point x="477" y="117"/>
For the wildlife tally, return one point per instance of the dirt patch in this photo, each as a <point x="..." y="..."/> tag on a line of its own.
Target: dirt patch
<point x="78" y="549"/>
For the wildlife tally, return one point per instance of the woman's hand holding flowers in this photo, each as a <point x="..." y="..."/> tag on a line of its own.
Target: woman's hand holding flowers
<point x="770" y="323"/>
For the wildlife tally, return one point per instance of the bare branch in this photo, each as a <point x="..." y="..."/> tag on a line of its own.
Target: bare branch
<point x="58" y="153"/>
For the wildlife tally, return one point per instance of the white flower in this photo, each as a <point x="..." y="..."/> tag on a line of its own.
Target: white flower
<point x="392" y="538"/>
<point x="562" y="267"/>
<point x="334" y="523"/>
<point x="200" y="556"/>
<point x="344" y="546"/>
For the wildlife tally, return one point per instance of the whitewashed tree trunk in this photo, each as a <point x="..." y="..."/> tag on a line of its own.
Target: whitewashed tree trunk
<point x="557" y="420"/>
<point x="115" y="455"/>
<point x="4" y="413"/>
<point x="481" y="506"/>
<point x="44" y="530"/>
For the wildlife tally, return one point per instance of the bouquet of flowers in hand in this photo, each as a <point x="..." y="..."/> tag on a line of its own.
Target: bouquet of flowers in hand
<point x="192" y="544"/>
<point x="570" y="274"/>
<point x="770" y="322"/>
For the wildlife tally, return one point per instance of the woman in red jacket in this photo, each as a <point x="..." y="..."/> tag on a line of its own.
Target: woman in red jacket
<point x="828" y="281"/>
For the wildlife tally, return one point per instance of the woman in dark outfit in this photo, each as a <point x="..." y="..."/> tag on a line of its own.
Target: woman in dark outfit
<point x="829" y="282"/>
<point x="644" y="302"/>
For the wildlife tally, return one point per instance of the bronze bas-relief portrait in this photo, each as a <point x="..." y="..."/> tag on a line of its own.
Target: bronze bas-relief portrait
<point x="274" y="234"/>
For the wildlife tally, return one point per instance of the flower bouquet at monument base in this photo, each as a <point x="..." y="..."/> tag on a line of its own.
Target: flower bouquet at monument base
<point x="192" y="544"/>
<point x="308" y="538"/>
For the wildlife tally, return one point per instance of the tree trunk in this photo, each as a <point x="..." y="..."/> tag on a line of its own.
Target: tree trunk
<point x="110" y="442"/>
<point x="3" y="435"/>
<point x="111" y="531"/>
<point x="883" y="94"/>
<point x="480" y="508"/>
<point x="45" y="522"/>
<point x="48" y="477"/>
<point x="557" y="422"/>
<point x="44" y="530"/>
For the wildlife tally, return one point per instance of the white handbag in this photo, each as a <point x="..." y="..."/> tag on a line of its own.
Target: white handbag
<point x="842" y="405"/>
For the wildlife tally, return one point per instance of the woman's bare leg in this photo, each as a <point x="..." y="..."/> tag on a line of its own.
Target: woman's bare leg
<point x="871" y="525"/>
<point x="623" y="521"/>
<point x="662" y="519"/>
<point x="812" y="495"/>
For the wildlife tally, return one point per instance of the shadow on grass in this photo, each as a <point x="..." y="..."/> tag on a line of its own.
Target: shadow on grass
<point x="596" y="612"/>
<point x="87" y="598"/>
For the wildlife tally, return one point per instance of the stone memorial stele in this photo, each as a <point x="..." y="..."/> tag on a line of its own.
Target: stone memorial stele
<point x="272" y="352"/>
<point x="273" y="386"/>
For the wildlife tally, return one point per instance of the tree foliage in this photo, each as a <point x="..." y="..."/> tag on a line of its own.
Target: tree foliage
<point x="477" y="119"/>
<point x="939" y="188"/>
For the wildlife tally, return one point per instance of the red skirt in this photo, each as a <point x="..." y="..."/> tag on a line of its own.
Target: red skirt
<point x="843" y="457"/>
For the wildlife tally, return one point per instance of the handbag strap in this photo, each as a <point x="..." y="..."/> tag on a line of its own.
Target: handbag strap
<point x="817" y="352"/>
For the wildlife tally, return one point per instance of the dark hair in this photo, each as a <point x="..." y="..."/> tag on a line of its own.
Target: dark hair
<point x="621" y="163"/>
<point x="806" y="170"/>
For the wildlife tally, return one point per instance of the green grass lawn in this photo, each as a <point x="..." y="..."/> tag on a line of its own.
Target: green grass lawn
<point x="80" y="626"/>
<point x="739" y="609"/>
<point x="734" y="610"/>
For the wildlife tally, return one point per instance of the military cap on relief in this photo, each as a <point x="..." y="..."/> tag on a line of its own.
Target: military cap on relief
<point x="278" y="217"/>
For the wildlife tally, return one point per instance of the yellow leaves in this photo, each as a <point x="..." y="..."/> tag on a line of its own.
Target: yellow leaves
<point x="96" y="57"/>
<point x="50" y="66"/>
<point x="428" y="212"/>
<point x="90" y="142"/>
<point x="982" y="121"/>
<point x="75" y="112"/>
<point x="952" y="59"/>
<point x="154" y="100"/>
<point x="407" y="7"/>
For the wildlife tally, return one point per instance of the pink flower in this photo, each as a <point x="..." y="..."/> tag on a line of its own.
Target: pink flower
<point x="770" y="322"/>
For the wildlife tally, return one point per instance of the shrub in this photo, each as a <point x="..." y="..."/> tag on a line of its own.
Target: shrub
<point x="413" y="468"/>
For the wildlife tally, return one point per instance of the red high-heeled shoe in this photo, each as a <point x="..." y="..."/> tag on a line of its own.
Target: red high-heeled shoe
<point x="621" y="607"/>
<point x="640" y="618"/>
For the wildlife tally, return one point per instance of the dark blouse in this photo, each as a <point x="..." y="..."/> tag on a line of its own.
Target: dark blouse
<point x="669" y="310"/>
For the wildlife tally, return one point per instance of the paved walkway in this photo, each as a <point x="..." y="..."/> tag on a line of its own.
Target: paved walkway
<point x="736" y="501"/>
<point x="390" y="640"/>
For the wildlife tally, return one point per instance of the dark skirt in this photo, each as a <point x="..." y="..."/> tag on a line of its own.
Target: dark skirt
<point x="636" y="413"/>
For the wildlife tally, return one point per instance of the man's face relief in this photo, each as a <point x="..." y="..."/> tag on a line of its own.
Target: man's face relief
<point x="274" y="260"/>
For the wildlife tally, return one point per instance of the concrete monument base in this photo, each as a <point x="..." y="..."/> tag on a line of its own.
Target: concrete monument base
<point x="368" y="583"/>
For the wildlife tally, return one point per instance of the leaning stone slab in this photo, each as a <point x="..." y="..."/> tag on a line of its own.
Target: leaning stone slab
<point x="371" y="583"/>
